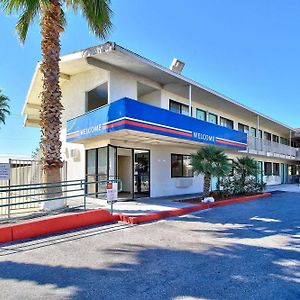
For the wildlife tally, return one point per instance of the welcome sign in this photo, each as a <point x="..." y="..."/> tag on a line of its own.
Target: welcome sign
<point x="134" y="115"/>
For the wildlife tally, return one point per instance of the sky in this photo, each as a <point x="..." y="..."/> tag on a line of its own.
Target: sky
<point x="246" y="50"/>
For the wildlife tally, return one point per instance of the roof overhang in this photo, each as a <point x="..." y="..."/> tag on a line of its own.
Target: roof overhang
<point x="111" y="56"/>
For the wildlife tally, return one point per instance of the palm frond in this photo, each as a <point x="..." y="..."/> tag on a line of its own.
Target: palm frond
<point x="97" y="14"/>
<point x="28" y="10"/>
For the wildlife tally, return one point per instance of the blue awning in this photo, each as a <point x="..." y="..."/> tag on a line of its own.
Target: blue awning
<point x="137" y="116"/>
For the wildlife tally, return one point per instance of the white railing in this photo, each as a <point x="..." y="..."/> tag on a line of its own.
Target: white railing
<point x="270" y="147"/>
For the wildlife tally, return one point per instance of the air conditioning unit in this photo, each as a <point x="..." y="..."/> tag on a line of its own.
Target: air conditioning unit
<point x="184" y="182"/>
<point x="75" y="154"/>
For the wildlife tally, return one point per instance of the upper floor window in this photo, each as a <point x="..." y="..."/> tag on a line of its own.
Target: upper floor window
<point x="226" y="122"/>
<point x="178" y="107"/>
<point x="97" y="97"/>
<point x="284" y="141"/>
<point x="253" y="131"/>
<point x="201" y="114"/>
<point x="243" y="128"/>
<point x="181" y="165"/>
<point x="260" y="135"/>
<point x="212" y="118"/>
<point x="267" y="136"/>
<point x="275" y="138"/>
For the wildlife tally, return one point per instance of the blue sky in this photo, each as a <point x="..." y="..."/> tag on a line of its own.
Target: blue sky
<point x="247" y="50"/>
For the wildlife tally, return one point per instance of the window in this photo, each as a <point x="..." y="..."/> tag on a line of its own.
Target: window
<point x="212" y="118"/>
<point x="97" y="97"/>
<point x="226" y="122"/>
<point x="201" y="114"/>
<point x="275" y="138"/>
<point x="253" y="131"/>
<point x="181" y="165"/>
<point x="243" y="128"/>
<point x="268" y="168"/>
<point x="284" y="141"/>
<point x="178" y="108"/>
<point x="292" y="170"/>
<point x="267" y="136"/>
<point x="276" y="169"/>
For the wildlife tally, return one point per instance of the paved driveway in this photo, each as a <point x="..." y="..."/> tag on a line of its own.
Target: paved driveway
<point x="243" y="251"/>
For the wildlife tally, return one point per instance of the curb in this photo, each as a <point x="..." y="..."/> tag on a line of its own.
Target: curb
<point x="182" y="211"/>
<point x="61" y="223"/>
<point x="55" y="224"/>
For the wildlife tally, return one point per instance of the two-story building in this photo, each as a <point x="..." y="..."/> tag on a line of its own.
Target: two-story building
<point x="127" y="117"/>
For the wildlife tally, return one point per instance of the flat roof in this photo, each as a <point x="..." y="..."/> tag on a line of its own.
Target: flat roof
<point x="111" y="54"/>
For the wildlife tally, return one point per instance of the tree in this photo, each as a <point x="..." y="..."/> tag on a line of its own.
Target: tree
<point x="52" y="24"/>
<point x="211" y="162"/>
<point x="244" y="167"/>
<point x="4" y="107"/>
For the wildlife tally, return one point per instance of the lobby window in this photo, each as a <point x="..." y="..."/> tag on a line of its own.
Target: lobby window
<point x="276" y="169"/>
<point x="212" y="118"/>
<point x="181" y="165"/>
<point x="97" y="97"/>
<point x="178" y="107"/>
<point x="201" y="114"/>
<point x="267" y="136"/>
<point x="284" y="141"/>
<point x="226" y="122"/>
<point x="268" y="168"/>
<point x="243" y="128"/>
<point x="253" y="131"/>
<point x="292" y="170"/>
<point x="275" y="138"/>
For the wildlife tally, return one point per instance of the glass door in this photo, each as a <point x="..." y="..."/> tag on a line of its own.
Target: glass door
<point x="141" y="173"/>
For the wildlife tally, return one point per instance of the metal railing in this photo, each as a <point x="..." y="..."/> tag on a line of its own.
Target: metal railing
<point x="266" y="146"/>
<point x="18" y="201"/>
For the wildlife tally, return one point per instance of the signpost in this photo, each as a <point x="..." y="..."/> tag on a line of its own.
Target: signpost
<point x="5" y="175"/>
<point x="112" y="194"/>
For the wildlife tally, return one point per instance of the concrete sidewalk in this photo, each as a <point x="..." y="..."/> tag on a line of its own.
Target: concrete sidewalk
<point x="294" y="188"/>
<point x="143" y="206"/>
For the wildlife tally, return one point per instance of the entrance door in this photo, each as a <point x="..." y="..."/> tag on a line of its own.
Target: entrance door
<point x="125" y="171"/>
<point x="141" y="173"/>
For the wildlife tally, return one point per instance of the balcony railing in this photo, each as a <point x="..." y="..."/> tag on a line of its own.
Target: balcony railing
<point x="271" y="148"/>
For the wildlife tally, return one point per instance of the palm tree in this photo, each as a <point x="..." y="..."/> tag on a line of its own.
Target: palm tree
<point x="4" y="107"/>
<point x="52" y="23"/>
<point x="244" y="167"/>
<point x="211" y="162"/>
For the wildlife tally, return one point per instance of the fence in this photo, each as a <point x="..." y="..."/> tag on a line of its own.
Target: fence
<point x="17" y="201"/>
<point x="270" y="146"/>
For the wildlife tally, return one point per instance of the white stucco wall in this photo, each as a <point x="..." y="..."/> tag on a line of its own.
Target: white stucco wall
<point x="121" y="85"/>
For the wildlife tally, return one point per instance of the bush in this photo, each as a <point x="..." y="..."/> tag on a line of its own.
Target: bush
<point x="234" y="186"/>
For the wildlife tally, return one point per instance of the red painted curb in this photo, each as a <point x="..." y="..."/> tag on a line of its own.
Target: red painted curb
<point x="5" y="234"/>
<point x="182" y="211"/>
<point x="55" y="224"/>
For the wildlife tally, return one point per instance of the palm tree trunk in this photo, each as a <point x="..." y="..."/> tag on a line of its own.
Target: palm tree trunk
<point x="206" y="186"/>
<point x="51" y="107"/>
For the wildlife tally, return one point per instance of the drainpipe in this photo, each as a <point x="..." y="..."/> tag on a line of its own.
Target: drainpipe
<point x="190" y="100"/>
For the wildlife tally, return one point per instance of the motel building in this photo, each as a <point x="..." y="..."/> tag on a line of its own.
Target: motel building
<point x="126" y="117"/>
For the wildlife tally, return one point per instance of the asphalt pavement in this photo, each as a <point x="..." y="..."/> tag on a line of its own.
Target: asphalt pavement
<point x="249" y="250"/>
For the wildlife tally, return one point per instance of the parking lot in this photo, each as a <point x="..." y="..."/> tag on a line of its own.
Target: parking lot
<point x="249" y="250"/>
